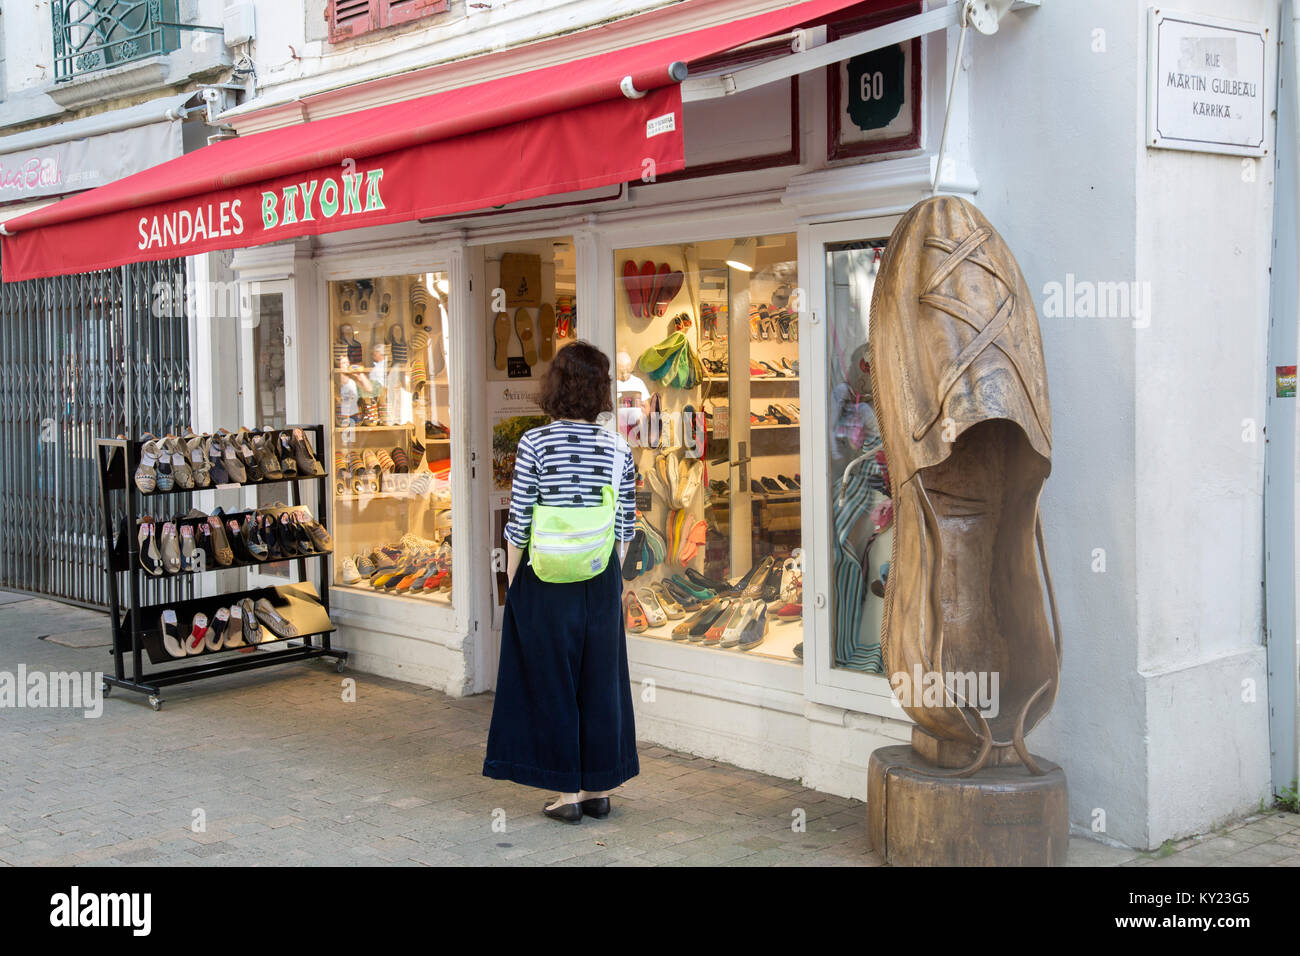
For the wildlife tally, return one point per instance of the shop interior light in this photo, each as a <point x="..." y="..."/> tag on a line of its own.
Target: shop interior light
<point x="742" y="255"/>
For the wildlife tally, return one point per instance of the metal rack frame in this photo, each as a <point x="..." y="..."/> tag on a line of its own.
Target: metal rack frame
<point x="117" y="459"/>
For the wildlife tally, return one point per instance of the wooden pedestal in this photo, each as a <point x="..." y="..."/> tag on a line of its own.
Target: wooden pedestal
<point x="1001" y="816"/>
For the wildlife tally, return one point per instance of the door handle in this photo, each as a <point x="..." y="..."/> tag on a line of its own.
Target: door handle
<point x="741" y="461"/>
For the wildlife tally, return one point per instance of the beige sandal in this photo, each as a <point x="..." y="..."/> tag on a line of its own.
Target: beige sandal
<point x="546" y="323"/>
<point x="524" y="329"/>
<point x="501" y="335"/>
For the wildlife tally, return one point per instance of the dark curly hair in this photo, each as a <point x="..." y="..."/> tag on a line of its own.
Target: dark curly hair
<point x="577" y="385"/>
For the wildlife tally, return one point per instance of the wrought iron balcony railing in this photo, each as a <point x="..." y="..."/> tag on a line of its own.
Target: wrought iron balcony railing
<point x="91" y="35"/>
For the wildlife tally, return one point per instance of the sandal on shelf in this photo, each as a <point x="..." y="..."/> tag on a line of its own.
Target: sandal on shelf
<point x="500" y="338"/>
<point x="180" y="462"/>
<point x="693" y="541"/>
<point x="546" y="326"/>
<point x="671" y="607"/>
<point x="649" y="274"/>
<point x="272" y="618"/>
<point x="230" y="459"/>
<point x="668" y="289"/>
<point x="252" y="630"/>
<point x="632" y="285"/>
<point x="215" y="637"/>
<point x="303" y="457"/>
<point x="634" y="614"/>
<point x="234" y="636"/>
<point x="171" y="640"/>
<point x="524" y="329"/>
<point x="655" y="613"/>
<point x="150" y="558"/>
<point x="196" y="643"/>
<point x="650" y="298"/>
<point x="146" y="474"/>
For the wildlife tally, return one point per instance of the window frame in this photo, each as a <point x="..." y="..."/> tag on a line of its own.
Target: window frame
<point x="379" y="15"/>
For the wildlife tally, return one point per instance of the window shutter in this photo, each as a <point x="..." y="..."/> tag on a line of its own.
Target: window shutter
<point x="350" y="18"/>
<point x="404" y="11"/>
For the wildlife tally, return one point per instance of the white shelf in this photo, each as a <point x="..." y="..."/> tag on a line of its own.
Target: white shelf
<point x="782" y="636"/>
<point x="435" y="597"/>
<point x="374" y="428"/>
<point x="754" y="378"/>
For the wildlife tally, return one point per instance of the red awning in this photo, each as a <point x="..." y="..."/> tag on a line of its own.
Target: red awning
<point x="558" y="129"/>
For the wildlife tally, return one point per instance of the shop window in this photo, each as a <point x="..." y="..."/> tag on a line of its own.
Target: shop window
<point x="708" y="395"/>
<point x="391" y="449"/>
<point x="351" y="18"/>
<point x="532" y="312"/>
<point x="861" y="512"/>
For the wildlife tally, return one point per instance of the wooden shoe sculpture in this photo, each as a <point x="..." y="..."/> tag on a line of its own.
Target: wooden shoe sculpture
<point x="961" y="396"/>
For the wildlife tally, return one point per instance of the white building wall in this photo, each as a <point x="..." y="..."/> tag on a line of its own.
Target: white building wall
<point x="1204" y="229"/>
<point x="1148" y="464"/>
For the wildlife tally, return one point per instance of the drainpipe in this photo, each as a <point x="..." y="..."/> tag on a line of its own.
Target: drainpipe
<point x="1281" y="463"/>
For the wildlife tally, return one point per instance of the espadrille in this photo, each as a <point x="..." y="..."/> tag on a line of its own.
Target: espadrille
<point x="146" y="471"/>
<point x="960" y="387"/>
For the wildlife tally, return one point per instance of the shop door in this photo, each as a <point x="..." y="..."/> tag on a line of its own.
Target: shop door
<point x="849" y="508"/>
<point x="266" y="365"/>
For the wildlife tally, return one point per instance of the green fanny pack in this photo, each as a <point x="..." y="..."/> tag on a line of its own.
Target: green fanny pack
<point x="568" y="544"/>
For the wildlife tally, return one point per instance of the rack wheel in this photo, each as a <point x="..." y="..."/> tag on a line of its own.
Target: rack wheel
<point x="155" y="702"/>
<point x="342" y="663"/>
<point x="105" y="688"/>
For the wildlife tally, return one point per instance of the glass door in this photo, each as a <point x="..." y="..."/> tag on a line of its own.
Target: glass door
<point x="264" y="369"/>
<point x="852" y="518"/>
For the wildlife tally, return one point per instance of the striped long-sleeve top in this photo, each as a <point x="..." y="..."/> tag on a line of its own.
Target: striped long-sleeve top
<point x="568" y="463"/>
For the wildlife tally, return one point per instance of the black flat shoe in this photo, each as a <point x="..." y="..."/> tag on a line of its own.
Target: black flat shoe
<point x="567" y="812"/>
<point x="705" y="582"/>
<point x="597" y="807"/>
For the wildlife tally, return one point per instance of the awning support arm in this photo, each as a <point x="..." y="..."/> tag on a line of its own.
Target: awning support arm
<point x="711" y="87"/>
<point x="932" y="21"/>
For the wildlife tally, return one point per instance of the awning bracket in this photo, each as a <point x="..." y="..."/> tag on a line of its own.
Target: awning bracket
<point x="807" y="58"/>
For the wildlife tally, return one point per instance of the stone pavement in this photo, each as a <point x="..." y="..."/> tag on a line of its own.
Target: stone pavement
<point x="279" y="769"/>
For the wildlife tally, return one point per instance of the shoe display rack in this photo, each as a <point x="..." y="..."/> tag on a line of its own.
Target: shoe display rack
<point x="138" y="629"/>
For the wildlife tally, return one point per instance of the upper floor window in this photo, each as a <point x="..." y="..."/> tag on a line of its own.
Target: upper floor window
<point x="92" y="35"/>
<point x="351" y="18"/>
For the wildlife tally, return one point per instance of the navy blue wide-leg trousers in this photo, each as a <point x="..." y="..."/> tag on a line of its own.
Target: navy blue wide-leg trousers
<point x="562" y="719"/>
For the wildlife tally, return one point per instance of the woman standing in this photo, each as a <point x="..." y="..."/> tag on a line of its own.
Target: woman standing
<point x="562" y="718"/>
